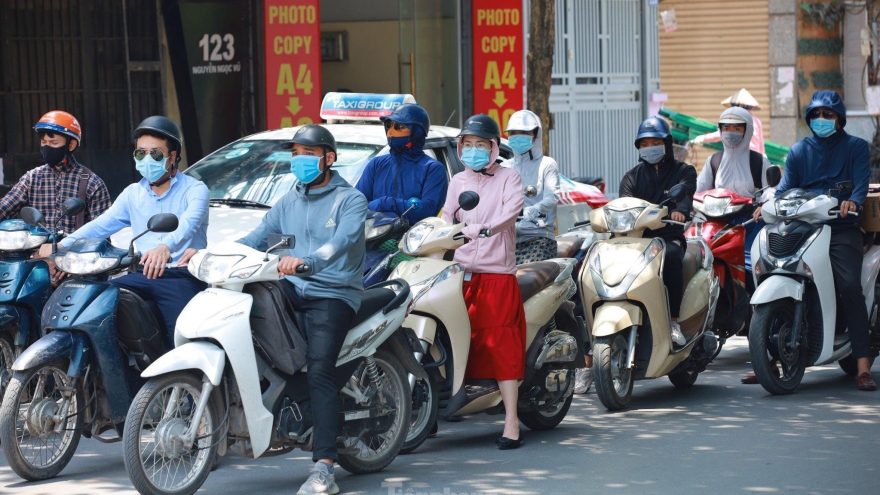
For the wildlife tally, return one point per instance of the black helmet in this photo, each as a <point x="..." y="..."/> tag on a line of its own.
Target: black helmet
<point x="482" y="126"/>
<point x="411" y="115"/>
<point x="312" y="135"/>
<point x="654" y="127"/>
<point x="164" y="127"/>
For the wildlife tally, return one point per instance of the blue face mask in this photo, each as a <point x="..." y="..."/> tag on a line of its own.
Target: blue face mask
<point x="520" y="143"/>
<point x="150" y="169"/>
<point x="398" y="143"/>
<point x="823" y="127"/>
<point x="475" y="158"/>
<point x="306" y="168"/>
<point x="653" y="154"/>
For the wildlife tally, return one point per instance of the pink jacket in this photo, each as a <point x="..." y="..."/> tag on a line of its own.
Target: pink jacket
<point x="501" y="201"/>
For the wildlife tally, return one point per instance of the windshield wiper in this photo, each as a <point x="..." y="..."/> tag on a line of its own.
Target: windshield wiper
<point x="238" y="202"/>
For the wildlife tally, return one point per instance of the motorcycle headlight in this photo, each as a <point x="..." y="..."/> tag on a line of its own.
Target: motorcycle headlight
<point x="378" y="231"/>
<point x="214" y="268"/>
<point x="412" y="242"/>
<point x="621" y="221"/>
<point x="18" y="240"/>
<point x="715" y="207"/>
<point x="788" y="207"/>
<point x="84" y="263"/>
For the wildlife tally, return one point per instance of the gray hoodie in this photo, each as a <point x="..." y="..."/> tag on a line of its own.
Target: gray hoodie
<point x="328" y="225"/>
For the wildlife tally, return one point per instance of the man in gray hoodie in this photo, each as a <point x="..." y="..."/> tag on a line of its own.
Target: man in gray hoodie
<point x="326" y="216"/>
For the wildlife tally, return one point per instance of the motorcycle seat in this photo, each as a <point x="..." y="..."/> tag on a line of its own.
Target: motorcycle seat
<point x="590" y="179"/>
<point x="568" y="245"/>
<point x="534" y="277"/>
<point x="693" y="260"/>
<point x="372" y="302"/>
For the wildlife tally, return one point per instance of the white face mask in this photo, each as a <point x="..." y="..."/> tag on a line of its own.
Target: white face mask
<point x="732" y="139"/>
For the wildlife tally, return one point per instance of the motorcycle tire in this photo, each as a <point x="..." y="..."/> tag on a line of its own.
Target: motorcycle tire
<point x="764" y="321"/>
<point x="684" y="379"/>
<point x="7" y="357"/>
<point x="397" y="387"/>
<point x="541" y="420"/>
<point x="424" y="417"/>
<point x="851" y="367"/>
<point x="614" y="396"/>
<point x="14" y="427"/>
<point x="205" y="455"/>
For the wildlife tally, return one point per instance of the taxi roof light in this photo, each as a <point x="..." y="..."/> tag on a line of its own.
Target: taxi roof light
<point x="359" y="107"/>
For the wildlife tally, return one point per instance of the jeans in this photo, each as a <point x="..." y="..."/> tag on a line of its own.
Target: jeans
<point x="846" y="265"/>
<point x="326" y="322"/>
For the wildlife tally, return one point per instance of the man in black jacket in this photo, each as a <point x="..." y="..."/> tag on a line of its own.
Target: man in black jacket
<point x="651" y="180"/>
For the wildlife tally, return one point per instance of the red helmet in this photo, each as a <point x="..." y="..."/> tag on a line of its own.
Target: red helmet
<point x="60" y="122"/>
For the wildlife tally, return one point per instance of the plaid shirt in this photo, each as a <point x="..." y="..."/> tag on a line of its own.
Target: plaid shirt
<point x="46" y="187"/>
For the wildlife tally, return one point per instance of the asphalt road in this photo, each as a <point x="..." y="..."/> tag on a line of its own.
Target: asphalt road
<point x="720" y="437"/>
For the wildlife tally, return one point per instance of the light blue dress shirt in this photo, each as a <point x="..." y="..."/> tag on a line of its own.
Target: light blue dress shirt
<point x="187" y="198"/>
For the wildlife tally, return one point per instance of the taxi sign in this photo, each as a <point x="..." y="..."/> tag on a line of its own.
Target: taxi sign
<point x="361" y="106"/>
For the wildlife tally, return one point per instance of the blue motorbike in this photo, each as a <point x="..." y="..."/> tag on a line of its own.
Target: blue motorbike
<point x="80" y="377"/>
<point x="381" y="228"/>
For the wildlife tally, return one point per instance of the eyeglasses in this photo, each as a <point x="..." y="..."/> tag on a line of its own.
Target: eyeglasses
<point x="823" y="113"/>
<point x="479" y="146"/>
<point x="397" y="126"/>
<point x="155" y="154"/>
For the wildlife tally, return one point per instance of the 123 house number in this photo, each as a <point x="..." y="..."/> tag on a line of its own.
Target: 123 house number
<point x="213" y="47"/>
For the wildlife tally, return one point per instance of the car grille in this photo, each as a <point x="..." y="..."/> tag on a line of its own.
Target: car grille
<point x="781" y="246"/>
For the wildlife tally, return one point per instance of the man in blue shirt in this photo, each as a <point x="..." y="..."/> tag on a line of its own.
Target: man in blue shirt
<point x="389" y="181"/>
<point x="162" y="190"/>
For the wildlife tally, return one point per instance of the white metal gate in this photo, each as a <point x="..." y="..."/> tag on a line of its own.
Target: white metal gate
<point x="598" y="85"/>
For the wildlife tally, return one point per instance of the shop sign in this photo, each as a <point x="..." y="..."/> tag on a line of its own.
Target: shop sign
<point x="498" y="58"/>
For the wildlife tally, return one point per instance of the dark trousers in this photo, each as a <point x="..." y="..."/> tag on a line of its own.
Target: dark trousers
<point x="326" y="322"/>
<point x="171" y="292"/>
<point x="846" y="265"/>
<point x="673" y="277"/>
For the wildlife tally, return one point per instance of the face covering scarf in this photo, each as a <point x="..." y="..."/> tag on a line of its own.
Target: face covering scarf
<point x="653" y="154"/>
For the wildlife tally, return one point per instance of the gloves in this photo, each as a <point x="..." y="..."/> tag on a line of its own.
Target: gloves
<point x="472" y="231"/>
<point x="699" y="139"/>
<point x="530" y="214"/>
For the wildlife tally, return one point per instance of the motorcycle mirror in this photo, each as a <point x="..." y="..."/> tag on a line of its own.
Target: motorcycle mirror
<point x="468" y="200"/>
<point x="277" y="241"/>
<point x="72" y="207"/>
<point x="530" y="191"/>
<point x="162" y="222"/>
<point x="773" y="176"/>
<point x="677" y="192"/>
<point x="32" y="216"/>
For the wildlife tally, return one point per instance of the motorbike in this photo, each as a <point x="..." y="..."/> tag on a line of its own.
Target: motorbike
<point x="237" y="379"/>
<point x="79" y="378"/>
<point x="380" y="229"/>
<point x="25" y="285"/>
<point x="440" y="329"/>
<point x="626" y="305"/>
<point x="796" y="324"/>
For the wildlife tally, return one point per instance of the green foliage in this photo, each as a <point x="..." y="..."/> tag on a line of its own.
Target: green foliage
<point x="828" y="14"/>
<point x="827" y="79"/>
<point x="820" y="46"/>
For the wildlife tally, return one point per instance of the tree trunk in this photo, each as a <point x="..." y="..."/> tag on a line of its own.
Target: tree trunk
<point x="542" y="35"/>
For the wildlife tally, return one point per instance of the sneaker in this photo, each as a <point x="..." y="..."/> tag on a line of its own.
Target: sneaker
<point x="677" y="337"/>
<point x="583" y="380"/>
<point x="321" y="481"/>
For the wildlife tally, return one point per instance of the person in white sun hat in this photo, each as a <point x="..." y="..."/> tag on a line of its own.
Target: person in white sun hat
<point x="742" y="99"/>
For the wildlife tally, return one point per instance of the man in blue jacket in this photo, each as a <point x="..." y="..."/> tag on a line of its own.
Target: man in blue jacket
<point x="817" y="164"/>
<point x="389" y="181"/>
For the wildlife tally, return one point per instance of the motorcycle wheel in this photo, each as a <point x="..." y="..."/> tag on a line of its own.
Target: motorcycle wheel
<point x="546" y="420"/>
<point x="424" y="414"/>
<point x="156" y="461"/>
<point x="850" y="367"/>
<point x="7" y="357"/>
<point x="613" y="382"/>
<point x="684" y="379"/>
<point x="375" y="451"/>
<point x="34" y="450"/>
<point x="769" y="335"/>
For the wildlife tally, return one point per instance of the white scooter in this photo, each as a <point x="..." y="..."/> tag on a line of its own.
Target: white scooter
<point x="795" y="323"/>
<point x="237" y="377"/>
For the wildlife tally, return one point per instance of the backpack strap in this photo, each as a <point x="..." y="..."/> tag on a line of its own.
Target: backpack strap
<point x="82" y="193"/>
<point x="756" y="164"/>
<point x="714" y="163"/>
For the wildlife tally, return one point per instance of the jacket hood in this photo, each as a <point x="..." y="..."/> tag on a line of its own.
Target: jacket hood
<point x="526" y="120"/>
<point x="828" y="99"/>
<point x="750" y="128"/>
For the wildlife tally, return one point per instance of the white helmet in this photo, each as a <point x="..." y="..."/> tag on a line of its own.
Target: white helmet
<point x="523" y="120"/>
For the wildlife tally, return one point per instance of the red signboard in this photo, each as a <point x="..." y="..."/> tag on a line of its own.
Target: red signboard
<point x="292" y="62"/>
<point x="498" y="58"/>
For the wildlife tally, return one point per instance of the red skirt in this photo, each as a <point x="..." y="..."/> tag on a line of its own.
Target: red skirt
<point x="498" y="327"/>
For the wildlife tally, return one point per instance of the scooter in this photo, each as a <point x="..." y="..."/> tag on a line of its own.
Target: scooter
<point x="237" y="377"/>
<point x="795" y="323"/>
<point x="383" y="229"/>
<point x="441" y="329"/>
<point x="24" y="286"/>
<point x="79" y="378"/>
<point x="626" y="305"/>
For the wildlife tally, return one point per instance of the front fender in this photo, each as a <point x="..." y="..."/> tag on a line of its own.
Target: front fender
<point x="203" y="356"/>
<point x="777" y="287"/>
<point x="52" y="347"/>
<point x="613" y="317"/>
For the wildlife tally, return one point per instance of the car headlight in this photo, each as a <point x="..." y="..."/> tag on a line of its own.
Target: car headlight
<point x="621" y="221"/>
<point x="412" y="241"/>
<point x="788" y="207"/>
<point x="215" y="268"/>
<point x="18" y="240"/>
<point x="84" y="263"/>
<point x="378" y="231"/>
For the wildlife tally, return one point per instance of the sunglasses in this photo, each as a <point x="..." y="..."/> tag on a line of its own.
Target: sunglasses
<point x="397" y="126"/>
<point x="155" y="154"/>
<point x="823" y="113"/>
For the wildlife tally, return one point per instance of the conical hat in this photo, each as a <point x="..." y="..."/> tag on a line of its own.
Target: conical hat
<point x="741" y="97"/>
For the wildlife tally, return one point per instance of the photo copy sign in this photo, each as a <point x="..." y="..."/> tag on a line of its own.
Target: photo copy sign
<point x="498" y="58"/>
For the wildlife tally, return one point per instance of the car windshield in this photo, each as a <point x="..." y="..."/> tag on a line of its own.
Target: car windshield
<point x="258" y="172"/>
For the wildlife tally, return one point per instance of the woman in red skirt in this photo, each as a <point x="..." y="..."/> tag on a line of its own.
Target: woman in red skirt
<point x="491" y="293"/>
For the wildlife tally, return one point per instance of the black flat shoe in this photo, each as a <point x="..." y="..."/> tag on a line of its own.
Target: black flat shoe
<point x="505" y="443"/>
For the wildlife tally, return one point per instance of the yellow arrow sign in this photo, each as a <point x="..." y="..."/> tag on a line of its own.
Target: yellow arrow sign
<point x="499" y="100"/>
<point x="294" y="107"/>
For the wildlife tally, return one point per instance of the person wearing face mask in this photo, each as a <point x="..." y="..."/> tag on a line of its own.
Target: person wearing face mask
<point x="162" y="189"/>
<point x="491" y="292"/>
<point x="818" y="163"/>
<point x="406" y="172"/>
<point x="741" y="99"/>
<point x="61" y="177"/>
<point x="326" y="216"/>
<point x="651" y="180"/>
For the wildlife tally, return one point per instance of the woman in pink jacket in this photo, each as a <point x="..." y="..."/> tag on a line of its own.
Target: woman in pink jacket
<point x="491" y="292"/>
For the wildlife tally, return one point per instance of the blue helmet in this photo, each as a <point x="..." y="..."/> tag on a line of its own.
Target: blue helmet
<point x="411" y="115"/>
<point x="654" y="127"/>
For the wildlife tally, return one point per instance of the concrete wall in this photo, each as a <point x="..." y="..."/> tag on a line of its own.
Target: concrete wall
<point x="783" y="61"/>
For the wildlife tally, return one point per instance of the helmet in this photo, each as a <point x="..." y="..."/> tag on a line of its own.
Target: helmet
<point x="160" y="126"/>
<point x="60" y="122"/>
<point x="482" y="126"/>
<point x="731" y="118"/>
<point x="654" y="127"/>
<point x="523" y="120"/>
<point x="312" y="135"/>
<point x="411" y="115"/>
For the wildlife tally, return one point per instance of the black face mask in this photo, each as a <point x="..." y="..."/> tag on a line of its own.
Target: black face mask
<point x="53" y="156"/>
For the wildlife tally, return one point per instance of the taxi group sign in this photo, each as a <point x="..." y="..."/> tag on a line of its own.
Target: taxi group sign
<point x="498" y="58"/>
<point x="292" y="35"/>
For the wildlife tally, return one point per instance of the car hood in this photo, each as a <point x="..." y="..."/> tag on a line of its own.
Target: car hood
<point x="225" y="224"/>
